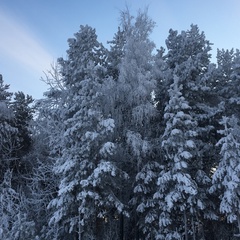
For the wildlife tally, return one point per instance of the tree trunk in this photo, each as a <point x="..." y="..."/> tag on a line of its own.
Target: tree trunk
<point x="79" y="227"/>
<point x="185" y="224"/>
<point x="193" y="229"/>
<point x="238" y="219"/>
<point x="121" y="235"/>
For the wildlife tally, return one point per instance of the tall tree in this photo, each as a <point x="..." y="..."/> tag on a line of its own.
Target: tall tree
<point x="178" y="190"/>
<point x="87" y="191"/>
<point x="23" y="115"/>
<point x="14" y="145"/>
<point x="188" y="58"/>
<point x="133" y="108"/>
<point x="226" y="178"/>
<point x="8" y="133"/>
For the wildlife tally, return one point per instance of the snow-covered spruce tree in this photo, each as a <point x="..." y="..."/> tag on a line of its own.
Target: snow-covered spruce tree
<point x="146" y="206"/>
<point x="226" y="178"/>
<point x="15" y="139"/>
<point x="87" y="195"/>
<point x="188" y="58"/>
<point x="7" y="131"/>
<point x="13" y="212"/>
<point x="23" y="116"/>
<point x="227" y="88"/>
<point x="133" y="112"/>
<point x="177" y="189"/>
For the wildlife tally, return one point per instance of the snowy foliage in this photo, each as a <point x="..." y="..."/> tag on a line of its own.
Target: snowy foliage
<point x="84" y="167"/>
<point x="134" y="112"/>
<point x="128" y="142"/>
<point x="14" y="223"/>
<point x="226" y="177"/>
<point x="107" y="149"/>
<point x="177" y="191"/>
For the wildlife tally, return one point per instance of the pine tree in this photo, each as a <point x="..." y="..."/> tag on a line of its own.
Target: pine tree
<point x="88" y="190"/>
<point x="8" y="133"/>
<point x="188" y="59"/>
<point x="178" y="190"/>
<point x="226" y="177"/>
<point x="23" y="115"/>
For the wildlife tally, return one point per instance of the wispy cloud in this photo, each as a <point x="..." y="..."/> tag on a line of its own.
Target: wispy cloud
<point x="19" y="44"/>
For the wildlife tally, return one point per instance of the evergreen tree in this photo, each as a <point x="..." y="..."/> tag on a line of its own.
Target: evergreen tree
<point x="178" y="190"/>
<point x="8" y="133"/>
<point x="15" y="117"/>
<point x="188" y="59"/>
<point x="23" y="115"/>
<point x="226" y="177"/>
<point x="87" y="191"/>
<point x="125" y="144"/>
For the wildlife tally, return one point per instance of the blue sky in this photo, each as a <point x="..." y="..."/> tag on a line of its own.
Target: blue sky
<point x="34" y="33"/>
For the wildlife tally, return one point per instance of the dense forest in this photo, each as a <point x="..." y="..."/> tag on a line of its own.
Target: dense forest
<point x="130" y="142"/>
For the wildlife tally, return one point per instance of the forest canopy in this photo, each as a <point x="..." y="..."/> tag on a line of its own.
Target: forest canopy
<point x="129" y="141"/>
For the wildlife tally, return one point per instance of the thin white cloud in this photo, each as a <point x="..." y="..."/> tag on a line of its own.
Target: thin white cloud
<point x="19" y="44"/>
